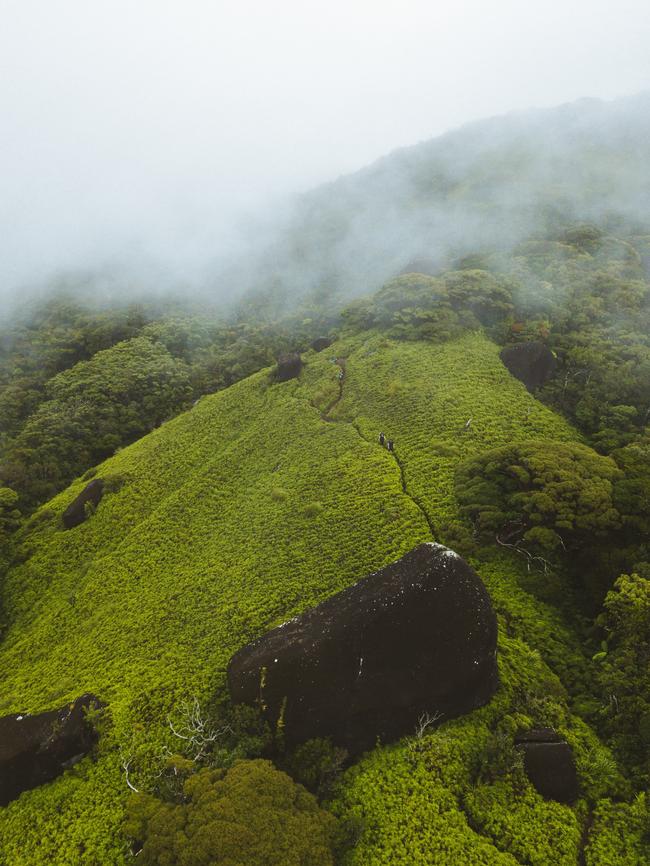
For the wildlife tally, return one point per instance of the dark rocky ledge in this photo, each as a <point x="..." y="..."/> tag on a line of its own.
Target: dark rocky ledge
<point x="417" y="637"/>
<point x="37" y="749"/>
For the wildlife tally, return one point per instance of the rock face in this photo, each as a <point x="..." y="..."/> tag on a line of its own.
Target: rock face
<point x="417" y="637"/>
<point x="76" y="512"/>
<point x="289" y="367"/>
<point x="37" y="749"/>
<point x="320" y="343"/>
<point x="549" y="764"/>
<point x="532" y="363"/>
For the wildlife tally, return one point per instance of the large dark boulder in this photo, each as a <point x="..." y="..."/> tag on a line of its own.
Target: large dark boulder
<point x="289" y="367"/>
<point x="37" y="749"/>
<point x="549" y="764"/>
<point x="320" y="343"/>
<point x="417" y="637"/>
<point x="77" y="512"/>
<point x="532" y="363"/>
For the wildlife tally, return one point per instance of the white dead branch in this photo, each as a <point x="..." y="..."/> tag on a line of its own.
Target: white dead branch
<point x="195" y="729"/>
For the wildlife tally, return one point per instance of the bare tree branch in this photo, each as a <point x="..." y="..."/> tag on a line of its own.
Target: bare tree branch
<point x="196" y="730"/>
<point x="126" y="766"/>
<point x="425" y="721"/>
<point x="530" y="557"/>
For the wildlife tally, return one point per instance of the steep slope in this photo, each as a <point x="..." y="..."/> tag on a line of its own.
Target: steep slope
<point x="257" y="504"/>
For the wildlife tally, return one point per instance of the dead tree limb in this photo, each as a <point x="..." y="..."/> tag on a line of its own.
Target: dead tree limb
<point x="195" y="729"/>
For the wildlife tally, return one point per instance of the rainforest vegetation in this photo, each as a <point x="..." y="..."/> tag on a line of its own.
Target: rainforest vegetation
<point x="234" y="502"/>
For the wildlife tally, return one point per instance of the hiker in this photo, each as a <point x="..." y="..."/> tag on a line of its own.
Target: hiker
<point x="389" y="444"/>
<point x="382" y="438"/>
<point x="341" y="375"/>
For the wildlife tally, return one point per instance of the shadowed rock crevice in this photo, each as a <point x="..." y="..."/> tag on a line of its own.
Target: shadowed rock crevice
<point x="533" y="363"/>
<point x="418" y="636"/>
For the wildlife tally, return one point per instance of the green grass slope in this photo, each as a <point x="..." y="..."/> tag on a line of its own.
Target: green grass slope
<point x="257" y="504"/>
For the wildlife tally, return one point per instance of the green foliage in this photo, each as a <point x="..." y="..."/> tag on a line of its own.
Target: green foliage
<point x="9" y="522"/>
<point x="92" y="409"/>
<point x="535" y="831"/>
<point x="263" y="501"/>
<point x="548" y="495"/>
<point x="632" y="491"/>
<point x="618" y="834"/>
<point x="65" y="381"/>
<point x="250" y="815"/>
<point x="624" y="673"/>
<point x="416" y="306"/>
<point x="9" y="513"/>
<point x="587" y="294"/>
<point x="193" y="554"/>
<point x="316" y="764"/>
<point x="312" y="509"/>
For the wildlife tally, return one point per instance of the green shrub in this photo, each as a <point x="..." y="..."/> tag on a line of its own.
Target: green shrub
<point x="624" y="673"/>
<point x="550" y="495"/>
<point x="252" y="815"/>
<point x="316" y="764"/>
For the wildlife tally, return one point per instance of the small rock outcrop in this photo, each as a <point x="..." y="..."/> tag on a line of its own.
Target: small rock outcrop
<point x="417" y="637"/>
<point x="532" y="363"/>
<point x="320" y="343"/>
<point x="549" y="764"/>
<point x="77" y="512"/>
<point x="289" y="367"/>
<point x="37" y="749"/>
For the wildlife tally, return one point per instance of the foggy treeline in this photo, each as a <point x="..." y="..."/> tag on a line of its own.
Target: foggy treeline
<point x="484" y="186"/>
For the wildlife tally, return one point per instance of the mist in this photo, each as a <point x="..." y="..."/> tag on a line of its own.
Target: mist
<point x="167" y="145"/>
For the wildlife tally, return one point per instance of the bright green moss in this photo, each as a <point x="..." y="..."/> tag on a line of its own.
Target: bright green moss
<point x="536" y="831"/>
<point x="618" y="834"/>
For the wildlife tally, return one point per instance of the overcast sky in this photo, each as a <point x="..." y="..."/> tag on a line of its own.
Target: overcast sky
<point x="142" y="128"/>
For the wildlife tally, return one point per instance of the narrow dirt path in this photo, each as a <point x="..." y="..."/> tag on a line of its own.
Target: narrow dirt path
<point x="326" y="416"/>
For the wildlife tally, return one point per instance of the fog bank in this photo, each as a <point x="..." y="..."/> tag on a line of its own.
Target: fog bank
<point x="151" y="141"/>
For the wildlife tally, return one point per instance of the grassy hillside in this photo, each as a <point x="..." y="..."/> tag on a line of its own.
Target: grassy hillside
<point x="255" y="505"/>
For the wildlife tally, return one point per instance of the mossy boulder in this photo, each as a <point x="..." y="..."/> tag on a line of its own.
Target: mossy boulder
<point x="418" y="636"/>
<point x="288" y="367"/>
<point x="321" y="343"/>
<point x="36" y="749"/>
